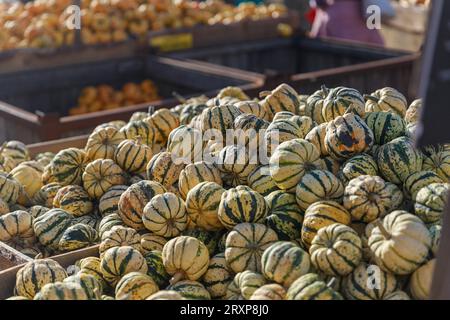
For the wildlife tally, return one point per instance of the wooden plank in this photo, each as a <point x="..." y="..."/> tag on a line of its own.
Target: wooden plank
<point x="11" y="257"/>
<point x="57" y="145"/>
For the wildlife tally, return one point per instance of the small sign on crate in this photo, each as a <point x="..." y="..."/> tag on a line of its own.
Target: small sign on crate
<point x="172" y="42"/>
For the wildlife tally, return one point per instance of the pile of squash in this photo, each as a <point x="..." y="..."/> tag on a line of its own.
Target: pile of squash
<point x="345" y="207"/>
<point x="105" y="97"/>
<point x="44" y="23"/>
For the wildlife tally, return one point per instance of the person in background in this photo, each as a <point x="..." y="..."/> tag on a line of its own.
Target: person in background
<point x="304" y="10"/>
<point x="343" y="19"/>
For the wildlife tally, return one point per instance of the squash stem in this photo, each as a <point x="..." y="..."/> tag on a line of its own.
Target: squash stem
<point x="177" y="277"/>
<point x="264" y="94"/>
<point x="331" y="283"/>
<point x="382" y="229"/>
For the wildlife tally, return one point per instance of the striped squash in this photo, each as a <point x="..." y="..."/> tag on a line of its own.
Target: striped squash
<point x="118" y="261"/>
<point x="135" y="286"/>
<point x="66" y="168"/>
<point x="435" y="233"/>
<point x="190" y="109"/>
<point x="185" y="257"/>
<point x="62" y="291"/>
<point x="73" y="199"/>
<point x="219" y="118"/>
<point x="284" y="217"/>
<point x="186" y="143"/>
<point x="331" y="165"/>
<point x="291" y="161"/>
<point x="6" y="163"/>
<point x="119" y="236"/>
<point x="400" y="244"/>
<point x="30" y="177"/>
<point x="261" y="181"/>
<point x="44" y="158"/>
<point x="140" y="128"/>
<point x="249" y="125"/>
<point x="369" y="282"/>
<point x="92" y="220"/>
<point x="202" y="205"/>
<point x="398" y="159"/>
<point x="77" y="236"/>
<point x="387" y="100"/>
<point x="16" y="228"/>
<point x="244" y="285"/>
<point x="109" y="221"/>
<point x="232" y="92"/>
<point x="217" y="277"/>
<point x="133" y="200"/>
<point x="195" y="173"/>
<point x="115" y="123"/>
<point x="342" y="100"/>
<point x="245" y="245"/>
<point x="163" y="168"/>
<point x="285" y="129"/>
<point x="166" y="295"/>
<point x="108" y="203"/>
<point x="311" y="287"/>
<point x="271" y="291"/>
<point x="359" y="165"/>
<point x="421" y="279"/>
<point x="15" y="150"/>
<point x="100" y="175"/>
<point x="413" y="112"/>
<point x="9" y="188"/>
<point x="4" y="208"/>
<point x="336" y="250"/>
<point x="50" y="227"/>
<point x="417" y="180"/>
<point x="347" y="136"/>
<point x="163" y="121"/>
<point x="317" y="137"/>
<point x="385" y="126"/>
<point x="236" y="162"/>
<point x="439" y="162"/>
<point x="241" y="204"/>
<point x="156" y="269"/>
<point x="318" y="185"/>
<point x="283" y="262"/>
<point x="314" y="104"/>
<point x="209" y="238"/>
<point x="132" y="155"/>
<point x="91" y="286"/>
<point x="254" y="108"/>
<point x="36" y="274"/>
<point x="139" y="115"/>
<point x="397" y="295"/>
<point x="165" y="215"/>
<point x="46" y="194"/>
<point x="152" y="242"/>
<point x="103" y="143"/>
<point x="91" y="266"/>
<point x="322" y="214"/>
<point x="282" y="98"/>
<point x="370" y="197"/>
<point x="190" y="290"/>
<point x="430" y="202"/>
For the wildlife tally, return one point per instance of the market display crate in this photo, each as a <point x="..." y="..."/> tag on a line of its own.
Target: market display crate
<point x="35" y="104"/>
<point x="66" y="260"/>
<point x="200" y="36"/>
<point x="284" y="60"/>
<point x="220" y="35"/>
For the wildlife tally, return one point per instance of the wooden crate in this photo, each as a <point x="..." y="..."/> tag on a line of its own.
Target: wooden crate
<point x="219" y="35"/>
<point x="35" y="103"/>
<point x="312" y="61"/>
<point x="200" y="36"/>
<point x="8" y="276"/>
